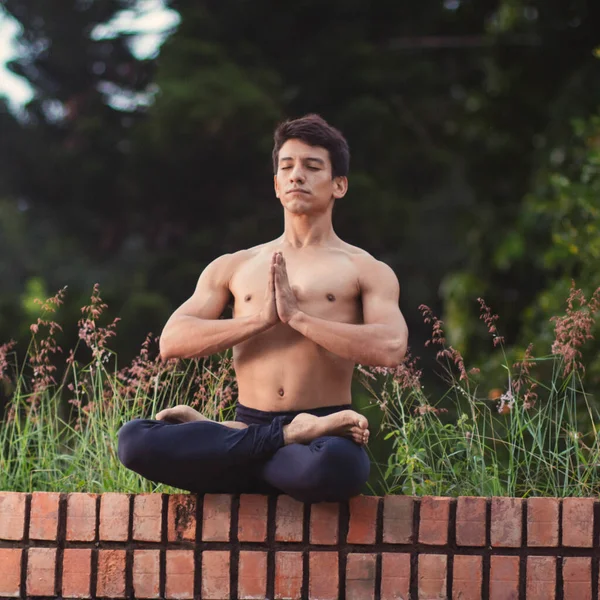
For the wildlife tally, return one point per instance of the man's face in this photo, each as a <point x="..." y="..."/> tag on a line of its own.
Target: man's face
<point x="303" y="181"/>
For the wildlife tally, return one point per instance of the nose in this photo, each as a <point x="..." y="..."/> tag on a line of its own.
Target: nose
<point x="297" y="174"/>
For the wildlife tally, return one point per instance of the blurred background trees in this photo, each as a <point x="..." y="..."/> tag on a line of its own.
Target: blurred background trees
<point x="474" y="129"/>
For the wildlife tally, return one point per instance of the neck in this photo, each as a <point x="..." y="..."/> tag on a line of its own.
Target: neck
<point x="303" y="230"/>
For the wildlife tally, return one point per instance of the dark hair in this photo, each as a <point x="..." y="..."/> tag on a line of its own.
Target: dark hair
<point x="314" y="131"/>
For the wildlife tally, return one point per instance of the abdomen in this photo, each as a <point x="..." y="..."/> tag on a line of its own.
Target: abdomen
<point x="282" y="370"/>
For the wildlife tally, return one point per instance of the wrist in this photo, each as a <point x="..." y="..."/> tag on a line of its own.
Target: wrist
<point x="297" y="320"/>
<point x="261" y="322"/>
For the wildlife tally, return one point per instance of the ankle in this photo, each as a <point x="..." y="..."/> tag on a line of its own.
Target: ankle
<point x="287" y="437"/>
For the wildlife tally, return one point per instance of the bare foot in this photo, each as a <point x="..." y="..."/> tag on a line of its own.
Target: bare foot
<point x="346" y="423"/>
<point x="180" y="414"/>
<point x="233" y="424"/>
<point x="186" y="414"/>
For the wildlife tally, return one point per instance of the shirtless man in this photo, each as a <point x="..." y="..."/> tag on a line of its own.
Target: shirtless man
<point x="307" y="307"/>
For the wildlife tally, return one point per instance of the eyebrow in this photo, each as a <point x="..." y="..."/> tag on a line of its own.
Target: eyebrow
<point x="310" y="158"/>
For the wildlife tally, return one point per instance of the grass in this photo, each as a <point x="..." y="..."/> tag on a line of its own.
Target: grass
<point x="535" y="437"/>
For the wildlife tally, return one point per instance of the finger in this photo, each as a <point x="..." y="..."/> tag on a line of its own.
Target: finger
<point x="271" y="276"/>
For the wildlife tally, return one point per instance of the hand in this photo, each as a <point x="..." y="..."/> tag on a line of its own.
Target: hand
<point x="268" y="312"/>
<point x="287" y="305"/>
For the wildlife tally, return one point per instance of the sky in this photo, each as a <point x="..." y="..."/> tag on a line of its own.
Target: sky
<point x="151" y="19"/>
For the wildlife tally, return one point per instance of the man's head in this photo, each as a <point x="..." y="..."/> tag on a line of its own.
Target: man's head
<point x="311" y="161"/>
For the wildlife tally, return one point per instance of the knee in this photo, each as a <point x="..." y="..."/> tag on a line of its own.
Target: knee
<point x="131" y="448"/>
<point x="340" y="470"/>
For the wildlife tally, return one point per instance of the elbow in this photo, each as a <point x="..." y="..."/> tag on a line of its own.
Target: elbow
<point x="165" y="348"/>
<point x="394" y="354"/>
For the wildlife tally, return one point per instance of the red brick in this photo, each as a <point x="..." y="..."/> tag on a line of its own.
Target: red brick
<point x="10" y="574"/>
<point x="360" y="577"/>
<point x="12" y="515"/>
<point x="43" y="524"/>
<point x="541" y="577"/>
<point x="252" y="520"/>
<point x="290" y="517"/>
<point x="577" y="578"/>
<point x="324" y="523"/>
<point x="114" y="517"/>
<point x="215" y="574"/>
<point x="398" y="519"/>
<point x="111" y="573"/>
<point x="288" y="575"/>
<point x="41" y="571"/>
<point x="181" y="517"/>
<point x="542" y="522"/>
<point x="323" y="582"/>
<point x="363" y="519"/>
<point x="467" y="577"/>
<point x="216" y="518"/>
<point x="395" y="576"/>
<point x="432" y="576"/>
<point x="180" y="574"/>
<point x="470" y="521"/>
<point x="252" y="581"/>
<point x="505" y="529"/>
<point x="146" y="573"/>
<point x="578" y="522"/>
<point x="504" y="578"/>
<point x="77" y="572"/>
<point x="433" y="520"/>
<point x="147" y="517"/>
<point x="81" y="517"/>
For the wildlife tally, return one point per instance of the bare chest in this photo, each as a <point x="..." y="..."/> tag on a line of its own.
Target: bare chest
<point x="324" y="287"/>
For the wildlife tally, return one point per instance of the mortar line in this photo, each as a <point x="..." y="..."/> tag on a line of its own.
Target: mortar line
<point x="61" y="533"/>
<point x="271" y="522"/>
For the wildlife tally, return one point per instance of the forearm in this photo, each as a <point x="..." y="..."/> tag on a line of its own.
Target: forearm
<point x="371" y="344"/>
<point x="190" y="337"/>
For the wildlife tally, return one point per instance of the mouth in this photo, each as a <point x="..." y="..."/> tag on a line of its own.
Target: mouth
<point x="296" y="191"/>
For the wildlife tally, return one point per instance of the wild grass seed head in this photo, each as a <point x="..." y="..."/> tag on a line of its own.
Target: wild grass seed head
<point x="574" y="328"/>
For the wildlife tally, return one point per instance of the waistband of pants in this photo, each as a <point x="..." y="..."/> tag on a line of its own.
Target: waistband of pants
<point x="253" y="416"/>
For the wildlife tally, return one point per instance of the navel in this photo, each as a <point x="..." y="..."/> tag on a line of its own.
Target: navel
<point x="247" y="297"/>
<point x="281" y="392"/>
<point x="331" y="297"/>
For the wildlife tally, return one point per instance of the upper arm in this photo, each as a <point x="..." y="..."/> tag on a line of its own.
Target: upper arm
<point x="380" y="294"/>
<point x="212" y="294"/>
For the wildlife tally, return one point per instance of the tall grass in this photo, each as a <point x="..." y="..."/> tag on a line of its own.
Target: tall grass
<point x="535" y="437"/>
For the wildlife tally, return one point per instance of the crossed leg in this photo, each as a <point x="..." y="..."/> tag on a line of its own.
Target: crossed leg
<point x="204" y="456"/>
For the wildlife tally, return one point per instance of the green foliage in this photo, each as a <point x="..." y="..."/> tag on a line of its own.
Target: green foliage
<point x="465" y="175"/>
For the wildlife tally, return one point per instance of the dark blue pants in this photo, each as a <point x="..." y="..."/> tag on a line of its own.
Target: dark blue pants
<point x="207" y="457"/>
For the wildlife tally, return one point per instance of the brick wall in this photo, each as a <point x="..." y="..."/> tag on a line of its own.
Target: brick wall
<point x="220" y="546"/>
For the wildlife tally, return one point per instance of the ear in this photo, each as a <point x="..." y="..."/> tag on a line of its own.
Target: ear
<point x="340" y="186"/>
<point x="276" y="186"/>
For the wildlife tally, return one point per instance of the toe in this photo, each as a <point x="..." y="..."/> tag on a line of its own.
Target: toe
<point x="362" y="422"/>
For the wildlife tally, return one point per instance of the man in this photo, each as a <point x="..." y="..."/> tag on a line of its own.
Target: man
<point x="307" y="307"/>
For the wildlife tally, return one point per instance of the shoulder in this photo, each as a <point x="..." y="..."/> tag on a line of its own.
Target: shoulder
<point x="222" y="269"/>
<point x="372" y="274"/>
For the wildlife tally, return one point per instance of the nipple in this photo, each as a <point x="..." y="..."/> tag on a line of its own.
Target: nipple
<point x="248" y="297"/>
<point x="330" y="297"/>
<point x="281" y="392"/>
